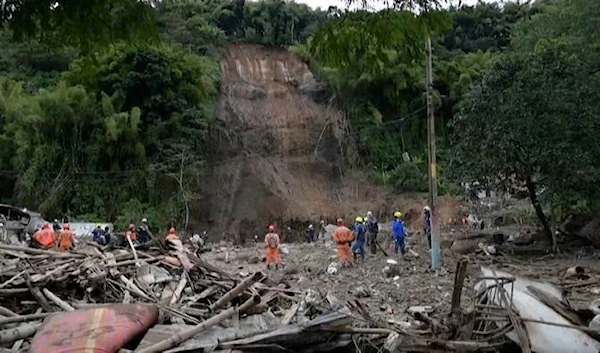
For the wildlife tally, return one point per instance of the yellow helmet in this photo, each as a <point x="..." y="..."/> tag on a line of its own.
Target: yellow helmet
<point x="359" y="219"/>
<point x="398" y="214"/>
<point x="365" y="219"/>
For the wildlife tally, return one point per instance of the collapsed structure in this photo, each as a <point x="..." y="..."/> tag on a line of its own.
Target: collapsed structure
<point x="165" y="297"/>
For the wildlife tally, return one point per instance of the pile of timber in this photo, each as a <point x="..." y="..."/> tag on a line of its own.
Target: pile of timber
<point x="203" y="308"/>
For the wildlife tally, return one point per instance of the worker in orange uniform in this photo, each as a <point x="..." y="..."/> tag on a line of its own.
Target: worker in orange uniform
<point x="66" y="239"/>
<point x="343" y="237"/>
<point x="45" y="238"/>
<point x="131" y="233"/>
<point x="172" y="234"/>
<point x="272" y="246"/>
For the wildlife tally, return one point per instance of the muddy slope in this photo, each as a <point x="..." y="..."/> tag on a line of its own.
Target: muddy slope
<point x="277" y="149"/>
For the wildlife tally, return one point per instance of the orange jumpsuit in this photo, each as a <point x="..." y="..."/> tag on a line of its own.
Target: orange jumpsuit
<point x="342" y="236"/>
<point x="66" y="239"/>
<point x="45" y="238"/>
<point x="172" y="236"/>
<point x="272" y="245"/>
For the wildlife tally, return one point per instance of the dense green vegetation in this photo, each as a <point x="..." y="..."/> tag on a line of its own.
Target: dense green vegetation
<point x="93" y="112"/>
<point x="534" y="115"/>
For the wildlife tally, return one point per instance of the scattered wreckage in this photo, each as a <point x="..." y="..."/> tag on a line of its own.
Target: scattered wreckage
<point x="164" y="297"/>
<point x="18" y="223"/>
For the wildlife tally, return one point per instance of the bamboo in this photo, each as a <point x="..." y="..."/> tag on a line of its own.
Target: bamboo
<point x="61" y="303"/>
<point x="23" y="318"/>
<point x="237" y="290"/>
<point x="176" y="339"/>
<point x="18" y="333"/>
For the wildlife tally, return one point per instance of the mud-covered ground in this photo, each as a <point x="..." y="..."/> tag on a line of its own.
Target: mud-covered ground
<point x="305" y="267"/>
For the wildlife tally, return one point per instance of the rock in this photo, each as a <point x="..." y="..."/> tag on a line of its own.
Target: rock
<point x="253" y="259"/>
<point x="595" y="291"/>
<point x="391" y="271"/>
<point x="465" y="246"/>
<point x="332" y="268"/>
<point x="362" y="292"/>
<point x="424" y="309"/>
<point x="522" y="239"/>
<point x="292" y="270"/>
<point x="284" y="249"/>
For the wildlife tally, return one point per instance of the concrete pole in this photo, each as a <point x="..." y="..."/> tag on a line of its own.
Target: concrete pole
<point x="436" y="254"/>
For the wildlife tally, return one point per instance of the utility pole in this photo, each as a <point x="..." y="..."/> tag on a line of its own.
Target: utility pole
<point x="436" y="256"/>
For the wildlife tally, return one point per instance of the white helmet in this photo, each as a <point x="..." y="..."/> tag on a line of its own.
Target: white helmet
<point x="369" y="214"/>
<point x="144" y="220"/>
<point x="426" y="208"/>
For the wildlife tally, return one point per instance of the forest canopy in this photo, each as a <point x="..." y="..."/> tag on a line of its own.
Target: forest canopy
<point x="95" y="98"/>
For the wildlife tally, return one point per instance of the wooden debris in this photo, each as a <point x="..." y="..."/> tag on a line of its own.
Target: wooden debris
<point x="180" y="337"/>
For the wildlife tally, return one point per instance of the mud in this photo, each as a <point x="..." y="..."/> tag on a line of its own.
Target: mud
<point x="415" y="285"/>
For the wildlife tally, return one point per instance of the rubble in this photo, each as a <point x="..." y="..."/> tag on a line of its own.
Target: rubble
<point x="200" y="306"/>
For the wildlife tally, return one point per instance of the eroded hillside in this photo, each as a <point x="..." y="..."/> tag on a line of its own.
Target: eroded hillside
<point x="278" y="150"/>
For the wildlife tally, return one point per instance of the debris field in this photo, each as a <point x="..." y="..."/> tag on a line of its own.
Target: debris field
<point x="168" y="297"/>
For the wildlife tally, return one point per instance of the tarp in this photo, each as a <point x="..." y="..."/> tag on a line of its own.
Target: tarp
<point x="97" y="330"/>
<point x="81" y="229"/>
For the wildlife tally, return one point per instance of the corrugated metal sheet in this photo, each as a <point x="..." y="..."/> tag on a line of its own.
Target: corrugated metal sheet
<point x="81" y="229"/>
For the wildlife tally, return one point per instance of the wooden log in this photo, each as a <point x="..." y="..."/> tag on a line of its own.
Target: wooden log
<point x="237" y="290"/>
<point x="176" y="339"/>
<point x="23" y="318"/>
<point x="38" y="251"/>
<point x="459" y="280"/>
<point x="13" y="291"/>
<point x="56" y="300"/>
<point x="39" y="277"/>
<point x="133" y="262"/>
<point x="37" y="294"/>
<point x="177" y="294"/>
<point x="5" y="312"/>
<point x="12" y="279"/>
<point x="289" y="315"/>
<point x="135" y="289"/>
<point x="18" y="333"/>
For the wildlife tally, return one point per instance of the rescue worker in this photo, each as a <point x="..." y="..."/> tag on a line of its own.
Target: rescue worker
<point x="45" y="238"/>
<point x="56" y="225"/>
<point x="398" y="233"/>
<point x="272" y="247"/>
<point x="66" y="239"/>
<point x="372" y="231"/>
<point x="427" y="224"/>
<point x="360" y="233"/>
<point x="107" y="235"/>
<point x="322" y="230"/>
<point x="144" y="232"/>
<point x="172" y="234"/>
<point x="310" y="233"/>
<point x="98" y="236"/>
<point x="343" y="236"/>
<point x="131" y="233"/>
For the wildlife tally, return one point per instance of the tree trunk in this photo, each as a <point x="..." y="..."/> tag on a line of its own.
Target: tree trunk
<point x="531" y="188"/>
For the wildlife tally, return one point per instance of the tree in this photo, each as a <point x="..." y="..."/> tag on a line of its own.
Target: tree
<point x="533" y="118"/>
<point x="82" y="24"/>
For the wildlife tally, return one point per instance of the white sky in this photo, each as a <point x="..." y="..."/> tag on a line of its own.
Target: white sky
<point x="324" y="4"/>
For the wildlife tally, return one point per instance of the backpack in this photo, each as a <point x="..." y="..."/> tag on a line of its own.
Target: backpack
<point x="272" y="240"/>
<point x="373" y="226"/>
